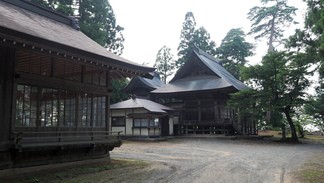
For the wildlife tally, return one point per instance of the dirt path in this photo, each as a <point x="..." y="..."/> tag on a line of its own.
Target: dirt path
<point x="219" y="160"/>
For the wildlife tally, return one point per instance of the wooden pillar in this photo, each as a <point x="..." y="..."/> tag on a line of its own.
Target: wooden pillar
<point x="108" y="118"/>
<point x="7" y="91"/>
<point x="199" y="111"/>
<point x="215" y="111"/>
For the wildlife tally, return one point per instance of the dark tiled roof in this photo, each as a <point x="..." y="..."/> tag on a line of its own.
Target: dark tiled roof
<point x="220" y="78"/>
<point x="223" y="73"/>
<point x="153" y="83"/>
<point x="22" y="25"/>
<point x="140" y="82"/>
<point x="138" y="103"/>
<point x="193" y="83"/>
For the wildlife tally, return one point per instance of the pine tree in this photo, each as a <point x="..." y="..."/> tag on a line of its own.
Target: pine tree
<point x="280" y="81"/>
<point x="268" y="21"/>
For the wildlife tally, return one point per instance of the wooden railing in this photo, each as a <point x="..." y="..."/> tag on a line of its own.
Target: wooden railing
<point x="67" y="138"/>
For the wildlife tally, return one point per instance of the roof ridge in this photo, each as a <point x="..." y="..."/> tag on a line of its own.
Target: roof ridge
<point x="46" y="12"/>
<point x="228" y="77"/>
<point x="203" y="53"/>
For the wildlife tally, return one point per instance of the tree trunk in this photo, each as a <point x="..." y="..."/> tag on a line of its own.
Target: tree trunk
<point x="272" y="33"/>
<point x="291" y="124"/>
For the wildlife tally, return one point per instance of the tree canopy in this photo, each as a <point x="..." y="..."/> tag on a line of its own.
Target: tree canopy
<point x="164" y="63"/>
<point x="315" y="108"/>
<point x="281" y="82"/>
<point x="233" y="51"/>
<point x="311" y="39"/>
<point x="268" y="21"/>
<point x="190" y="37"/>
<point x="61" y="6"/>
<point x="188" y="29"/>
<point x="96" y="20"/>
<point x="117" y="95"/>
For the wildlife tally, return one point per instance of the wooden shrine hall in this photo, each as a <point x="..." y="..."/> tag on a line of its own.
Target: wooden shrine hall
<point x="199" y="93"/>
<point x="54" y="89"/>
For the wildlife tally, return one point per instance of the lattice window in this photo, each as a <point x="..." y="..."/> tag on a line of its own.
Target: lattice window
<point x="67" y="108"/>
<point x="141" y="122"/>
<point x="26" y="105"/>
<point x="99" y="110"/>
<point x="118" y="121"/>
<point x="84" y="110"/>
<point x="58" y="108"/>
<point x="48" y="107"/>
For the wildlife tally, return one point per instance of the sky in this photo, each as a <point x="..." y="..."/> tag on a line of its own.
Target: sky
<point x="151" y="24"/>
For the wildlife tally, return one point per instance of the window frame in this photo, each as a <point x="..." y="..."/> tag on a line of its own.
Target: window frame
<point x="123" y="118"/>
<point x="64" y="108"/>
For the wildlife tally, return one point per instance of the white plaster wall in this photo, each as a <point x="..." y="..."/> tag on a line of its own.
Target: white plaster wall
<point x="129" y="126"/>
<point x="140" y="111"/>
<point x="144" y="132"/>
<point x="136" y="132"/>
<point x="171" y="125"/>
<point x="155" y="131"/>
<point x="118" y="113"/>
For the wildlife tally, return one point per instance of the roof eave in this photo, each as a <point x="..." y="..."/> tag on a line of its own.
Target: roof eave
<point x="128" y="69"/>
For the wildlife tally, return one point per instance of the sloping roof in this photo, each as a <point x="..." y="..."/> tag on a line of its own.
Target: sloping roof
<point x="153" y="83"/>
<point x="138" y="103"/>
<point x="184" y="82"/>
<point x="222" y="72"/>
<point x="140" y="82"/>
<point x="24" y="23"/>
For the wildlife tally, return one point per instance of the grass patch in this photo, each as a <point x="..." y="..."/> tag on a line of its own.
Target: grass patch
<point x="314" y="137"/>
<point x="99" y="172"/>
<point x="313" y="171"/>
<point x="288" y="135"/>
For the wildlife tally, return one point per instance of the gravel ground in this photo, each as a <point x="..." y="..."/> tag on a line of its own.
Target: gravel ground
<point x="220" y="160"/>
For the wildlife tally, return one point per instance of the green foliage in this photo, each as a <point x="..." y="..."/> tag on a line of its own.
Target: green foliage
<point x="233" y="51"/>
<point x="300" y="129"/>
<point x="97" y="21"/>
<point x="311" y="40"/>
<point x="248" y="102"/>
<point x="201" y="39"/>
<point x="188" y="29"/>
<point x="190" y="37"/>
<point x="313" y="170"/>
<point x="79" y="174"/>
<point x="117" y="95"/>
<point x="267" y="20"/>
<point x="315" y="108"/>
<point x="281" y="80"/>
<point x="276" y="118"/>
<point x="64" y="7"/>
<point x="164" y="63"/>
<point x="41" y="2"/>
